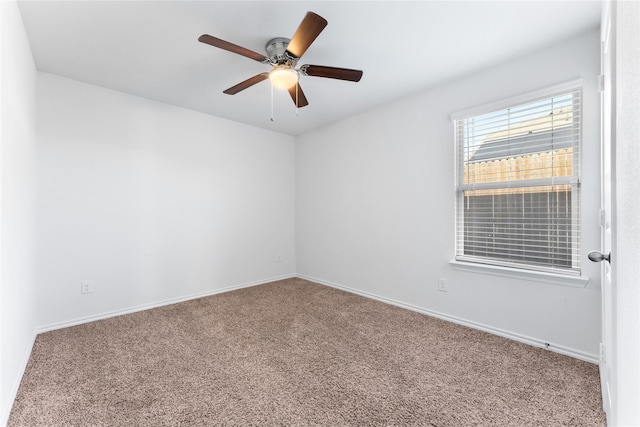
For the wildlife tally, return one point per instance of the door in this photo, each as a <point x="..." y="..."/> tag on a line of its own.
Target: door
<point x="607" y="213"/>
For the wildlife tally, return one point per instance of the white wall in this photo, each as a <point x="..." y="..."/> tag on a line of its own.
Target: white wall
<point x="17" y="203"/>
<point x="152" y="203"/>
<point x="375" y="206"/>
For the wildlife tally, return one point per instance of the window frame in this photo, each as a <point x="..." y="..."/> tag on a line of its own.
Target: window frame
<point x="567" y="276"/>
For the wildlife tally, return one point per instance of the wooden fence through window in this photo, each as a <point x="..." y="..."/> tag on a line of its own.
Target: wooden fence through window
<point x="531" y="166"/>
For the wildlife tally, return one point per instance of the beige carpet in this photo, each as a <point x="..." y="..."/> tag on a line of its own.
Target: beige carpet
<point x="297" y="353"/>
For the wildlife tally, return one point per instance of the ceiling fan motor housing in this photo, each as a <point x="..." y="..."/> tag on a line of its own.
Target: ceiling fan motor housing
<point x="277" y="53"/>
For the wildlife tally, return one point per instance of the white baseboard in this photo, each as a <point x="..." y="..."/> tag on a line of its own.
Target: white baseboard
<point x="141" y="307"/>
<point x="8" y="404"/>
<point x="587" y="357"/>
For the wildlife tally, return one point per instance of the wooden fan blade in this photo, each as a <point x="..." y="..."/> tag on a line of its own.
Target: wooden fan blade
<point x="297" y="94"/>
<point x="247" y="83"/>
<point x="332" y="72"/>
<point x="219" y="43"/>
<point x="310" y="27"/>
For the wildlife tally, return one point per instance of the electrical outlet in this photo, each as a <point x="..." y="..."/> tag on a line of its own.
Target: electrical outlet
<point x="279" y="257"/>
<point x="442" y="285"/>
<point x="86" y="287"/>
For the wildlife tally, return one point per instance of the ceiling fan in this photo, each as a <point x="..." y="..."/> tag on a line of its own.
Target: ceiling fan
<point x="283" y="55"/>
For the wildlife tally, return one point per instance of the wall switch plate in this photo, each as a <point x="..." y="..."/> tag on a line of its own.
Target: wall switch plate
<point x="86" y="287"/>
<point x="442" y="285"/>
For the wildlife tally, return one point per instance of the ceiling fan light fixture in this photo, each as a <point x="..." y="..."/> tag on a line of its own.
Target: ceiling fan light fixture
<point x="283" y="55"/>
<point x="284" y="77"/>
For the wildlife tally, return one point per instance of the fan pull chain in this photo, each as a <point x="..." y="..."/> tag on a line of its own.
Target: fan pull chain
<point x="272" y="102"/>
<point x="297" y="86"/>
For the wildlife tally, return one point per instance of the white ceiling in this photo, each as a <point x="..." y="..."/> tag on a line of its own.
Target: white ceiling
<point x="150" y="48"/>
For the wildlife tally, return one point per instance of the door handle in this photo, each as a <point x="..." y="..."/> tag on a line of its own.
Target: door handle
<point x="597" y="256"/>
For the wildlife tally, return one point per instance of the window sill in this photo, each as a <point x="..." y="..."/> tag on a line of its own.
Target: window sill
<point x="536" y="276"/>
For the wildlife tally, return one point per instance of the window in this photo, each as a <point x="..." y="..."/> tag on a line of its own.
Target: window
<point x="518" y="184"/>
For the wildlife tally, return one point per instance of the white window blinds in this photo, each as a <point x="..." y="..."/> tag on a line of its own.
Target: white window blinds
<point x="518" y="185"/>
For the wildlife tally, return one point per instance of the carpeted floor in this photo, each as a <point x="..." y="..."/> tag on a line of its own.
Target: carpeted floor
<point x="297" y="353"/>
